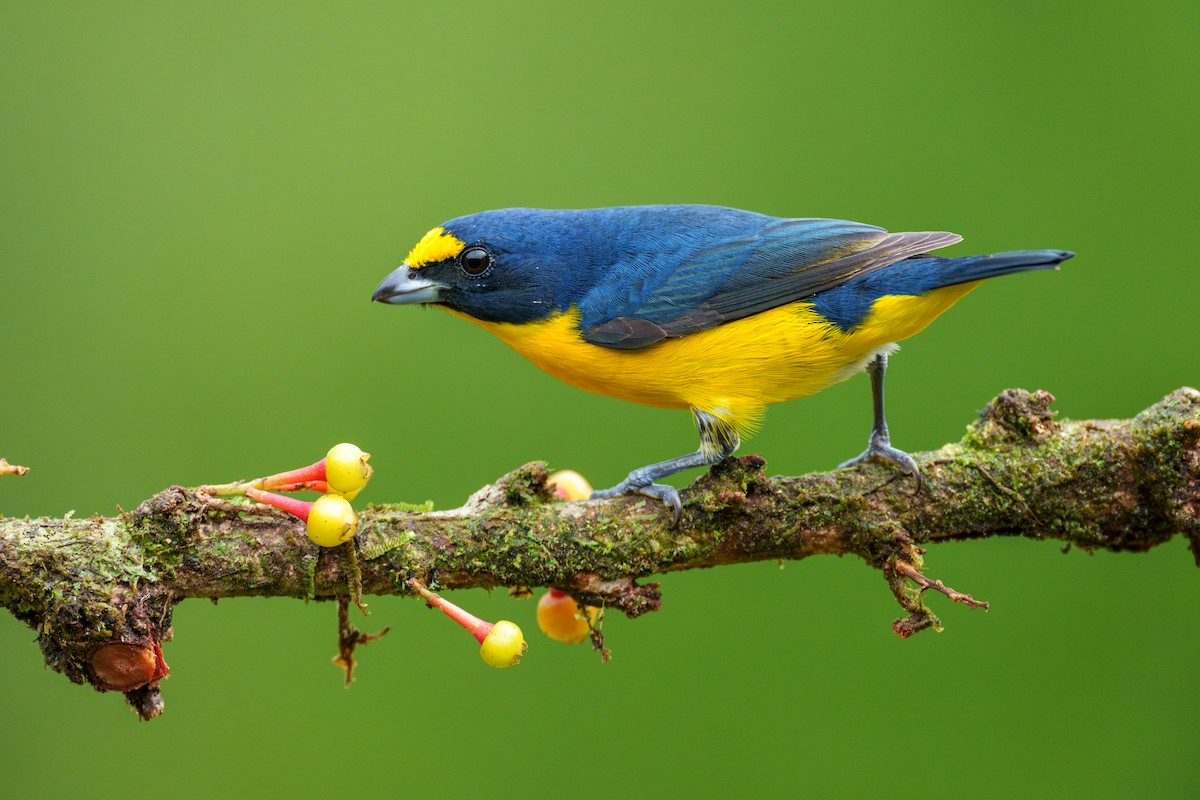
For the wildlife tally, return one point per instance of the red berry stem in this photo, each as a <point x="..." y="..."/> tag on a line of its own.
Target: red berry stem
<point x="306" y="486"/>
<point x="479" y="628"/>
<point x="313" y="472"/>
<point x="291" y="505"/>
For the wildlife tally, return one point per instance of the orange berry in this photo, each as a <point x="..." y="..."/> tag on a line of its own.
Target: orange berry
<point x="560" y="618"/>
<point x="569" y="485"/>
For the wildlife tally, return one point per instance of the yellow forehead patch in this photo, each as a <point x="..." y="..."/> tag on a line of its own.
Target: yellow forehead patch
<point x="435" y="246"/>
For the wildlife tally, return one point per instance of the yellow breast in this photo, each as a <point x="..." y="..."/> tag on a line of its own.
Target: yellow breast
<point x="732" y="371"/>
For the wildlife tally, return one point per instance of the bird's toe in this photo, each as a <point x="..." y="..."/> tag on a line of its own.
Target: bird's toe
<point x="669" y="495"/>
<point x="878" y="451"/>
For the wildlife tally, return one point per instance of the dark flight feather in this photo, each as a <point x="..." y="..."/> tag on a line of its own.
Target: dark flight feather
<point x="788" y="260"/>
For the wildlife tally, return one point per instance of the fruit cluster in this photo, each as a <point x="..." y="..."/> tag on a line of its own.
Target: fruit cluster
<point x="330" y="521"/>
<point x="339" y="477"/>
<point x="502" y="644"/>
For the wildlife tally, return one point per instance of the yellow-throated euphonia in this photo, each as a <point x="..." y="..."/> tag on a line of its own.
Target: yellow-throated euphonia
<point x="717" y="310"/>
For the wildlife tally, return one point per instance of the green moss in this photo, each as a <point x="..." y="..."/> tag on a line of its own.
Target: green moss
<point x="400" y="508"/>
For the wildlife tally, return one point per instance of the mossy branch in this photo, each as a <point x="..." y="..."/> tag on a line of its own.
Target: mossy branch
<point x="99" y="591"/>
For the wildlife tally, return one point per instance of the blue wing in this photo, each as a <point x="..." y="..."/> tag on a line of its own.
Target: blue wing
<point x="646" y="299"/>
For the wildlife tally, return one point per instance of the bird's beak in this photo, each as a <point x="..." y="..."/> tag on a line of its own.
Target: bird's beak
<point x="404" y="286"/>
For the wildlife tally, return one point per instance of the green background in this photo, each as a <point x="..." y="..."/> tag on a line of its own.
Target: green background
<point x="199" y="198"/>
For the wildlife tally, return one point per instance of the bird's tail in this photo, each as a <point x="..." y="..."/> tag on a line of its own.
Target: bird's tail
<point x="953" y="271"/>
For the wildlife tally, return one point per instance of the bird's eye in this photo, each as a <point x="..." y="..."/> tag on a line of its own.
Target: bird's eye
<point x="475" y="260"/>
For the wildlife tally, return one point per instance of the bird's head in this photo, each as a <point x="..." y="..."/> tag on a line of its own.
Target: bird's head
<point x="512" y="265"/>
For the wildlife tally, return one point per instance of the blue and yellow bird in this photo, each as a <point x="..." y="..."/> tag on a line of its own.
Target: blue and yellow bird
<point x="716" y="310"/>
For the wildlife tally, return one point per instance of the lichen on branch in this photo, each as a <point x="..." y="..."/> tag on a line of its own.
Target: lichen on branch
<point x="1122" y="485"/>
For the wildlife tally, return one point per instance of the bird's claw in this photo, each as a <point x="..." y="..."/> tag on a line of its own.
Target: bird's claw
<point x="669" y="495"/>
<point x="881" y="450"/>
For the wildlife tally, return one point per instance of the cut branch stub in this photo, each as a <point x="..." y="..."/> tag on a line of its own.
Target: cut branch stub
<point x="12" y="469"/>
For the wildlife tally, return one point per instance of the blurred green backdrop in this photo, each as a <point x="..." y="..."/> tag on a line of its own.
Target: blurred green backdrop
<point x="198" y="199"/>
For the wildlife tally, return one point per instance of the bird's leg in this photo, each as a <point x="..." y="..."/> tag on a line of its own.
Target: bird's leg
<point x="642" y="481"/>
<point x="718" y="439"/>
<point x="879" y="448"/>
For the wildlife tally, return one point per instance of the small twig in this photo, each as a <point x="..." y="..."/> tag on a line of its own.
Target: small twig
<point x="596" y="634"/>
<point x="12" y="469"/>
<point x="910" y="572"/>
<point x="1008" y="490"/>
<point x="303" y="486"/>
<point x="350" y="637"/>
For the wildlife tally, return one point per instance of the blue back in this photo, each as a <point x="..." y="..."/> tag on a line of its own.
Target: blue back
<point x="658" y="263"/>
<point x="640" y="274"/>
<point x="623" y="252"/>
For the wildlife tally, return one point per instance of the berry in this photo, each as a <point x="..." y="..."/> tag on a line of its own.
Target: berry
<point x="560" y="618"/>
<point x="344" y="471"/>
<point x="331" y="521"/>
<point x="504" y="645"/>
<point x="500" y="645"/>
<point x="569" y="485"/>
<point x="347" y="470"/>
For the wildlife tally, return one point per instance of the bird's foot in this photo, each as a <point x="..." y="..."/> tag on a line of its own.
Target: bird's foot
<point x="880" y="449"/>
<point x="635" y="484"/>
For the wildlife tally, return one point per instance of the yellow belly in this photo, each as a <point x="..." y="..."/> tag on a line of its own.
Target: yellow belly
<point x="732" y="371"/>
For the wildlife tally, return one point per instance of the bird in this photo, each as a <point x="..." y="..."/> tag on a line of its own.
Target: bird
<point x="716" y="310"/>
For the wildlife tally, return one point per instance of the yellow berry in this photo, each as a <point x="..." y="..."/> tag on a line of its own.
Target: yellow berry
<point x="560" y="618"/>
<point x="504" y="645"/>
<point x="331" y="521"/>
<point x="569" y="485"/>
<point x="347" y="470"/>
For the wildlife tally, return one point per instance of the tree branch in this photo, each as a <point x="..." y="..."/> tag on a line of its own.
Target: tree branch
<point x="100" y="591"/>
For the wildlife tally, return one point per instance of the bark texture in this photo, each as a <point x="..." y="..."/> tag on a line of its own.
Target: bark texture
<point x="99" y="591"/>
